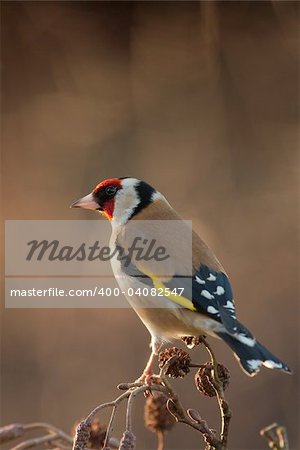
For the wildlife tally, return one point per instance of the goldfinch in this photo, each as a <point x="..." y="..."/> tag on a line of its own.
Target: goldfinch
<point x="204" y="307"/>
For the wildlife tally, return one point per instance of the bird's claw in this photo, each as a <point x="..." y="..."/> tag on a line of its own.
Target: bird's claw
<point x="146" y="378"/>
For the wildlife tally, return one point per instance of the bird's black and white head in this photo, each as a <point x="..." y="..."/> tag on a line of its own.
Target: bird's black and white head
<point x="119" y="199"/>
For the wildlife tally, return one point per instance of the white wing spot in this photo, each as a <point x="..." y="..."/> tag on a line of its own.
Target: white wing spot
<point x="245" y="339"/>
<point x="229" y="305"/>
<point x="272" y="364"/>
<point x="212" y="310"/>
<point x="211" y="277"/>
<point x="220" y="290"/>
<point x="207" y="294"/>
<point x="199" y="280"/>
<point x="254" y="364"/>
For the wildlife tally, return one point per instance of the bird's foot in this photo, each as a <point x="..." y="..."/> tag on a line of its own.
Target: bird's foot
<point x="146" y="378"/>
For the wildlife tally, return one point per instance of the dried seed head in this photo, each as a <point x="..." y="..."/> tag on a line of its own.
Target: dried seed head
<point x="156" y="414"/>
<point x="97" y="433"/>
<point x="82" y="435"/>
<point x="127" y="441"/>
<point x="180" y="365"/>
<point x="97" y="436"/>
<point x="204" y="376"/>
<point x="192" y="341"/>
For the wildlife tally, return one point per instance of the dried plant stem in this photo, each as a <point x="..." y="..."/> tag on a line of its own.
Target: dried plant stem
<point x="53" y="434"/>
<point x="11" y="432"/>
<point x="51" y="428"/>
<point x="222" y="402"/>
<point x="36" y="441"/>
<point x="276" y="436"/>
<point x="110" y="426"/>
<point x="131" y="391"/>
<point x="191" y="418"/>
<point x="58" y="440"/>
<point x="113" y="404"/>
<point x="160" y="440"/>
<point x="195" y="421"/>
<point x="160" y="383"/>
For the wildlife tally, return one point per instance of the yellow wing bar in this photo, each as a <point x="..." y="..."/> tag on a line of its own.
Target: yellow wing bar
<point x="179" y="299"/>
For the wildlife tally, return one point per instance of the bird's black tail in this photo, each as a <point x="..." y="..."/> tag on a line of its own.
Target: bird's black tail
<point x="252" y="357"/>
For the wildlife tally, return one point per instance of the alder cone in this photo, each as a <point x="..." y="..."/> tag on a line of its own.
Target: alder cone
<point x="156" y="415"/>
<point x="204" y="377"/>
<point x="180" y="365"/>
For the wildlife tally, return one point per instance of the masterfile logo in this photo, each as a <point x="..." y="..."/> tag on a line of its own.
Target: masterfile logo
<point x="69" y="263"/>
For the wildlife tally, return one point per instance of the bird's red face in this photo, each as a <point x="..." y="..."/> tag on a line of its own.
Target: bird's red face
<point x="102" y="198"/>
<point x="118" y="199"/>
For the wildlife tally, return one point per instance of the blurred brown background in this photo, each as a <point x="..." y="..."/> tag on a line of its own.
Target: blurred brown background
<point x="200" y="99"/>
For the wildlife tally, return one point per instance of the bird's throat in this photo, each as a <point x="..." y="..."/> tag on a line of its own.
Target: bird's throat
<point x="108" y="209"/>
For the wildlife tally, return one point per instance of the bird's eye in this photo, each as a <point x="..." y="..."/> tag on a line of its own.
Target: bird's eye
<point x="110" y="190"/>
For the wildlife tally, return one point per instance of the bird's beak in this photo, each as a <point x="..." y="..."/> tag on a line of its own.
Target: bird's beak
<point x="87" y="202"/>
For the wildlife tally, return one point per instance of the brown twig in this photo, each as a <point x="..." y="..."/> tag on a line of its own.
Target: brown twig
<point x="54" y="434"/>
<point x="276" y="436"/>
<point x="11" y="432"/>
<point x="51" y="428"/>
<point x="176" y="409"/>
<point x="160" y="383"/>
<point x="109" y="426"/>
<point x="37" y="441"/>
<point x="222" y="402"/>
<point x="98" y="408"/>
<point x="213" y="379"/>
<point x="160" y="440"/>
<point x="131" y="390"/>
<point x="190" y="418"/>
